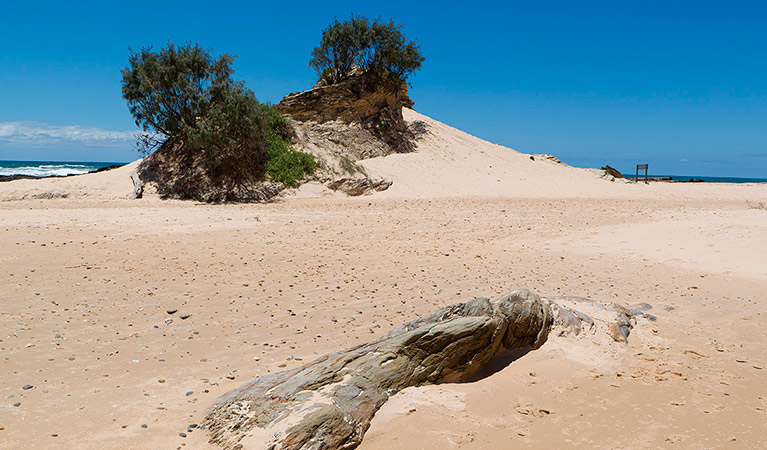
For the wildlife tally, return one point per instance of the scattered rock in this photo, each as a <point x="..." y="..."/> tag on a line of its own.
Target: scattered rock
<point x="547" y="157"/>
<point x="359" y="186"/>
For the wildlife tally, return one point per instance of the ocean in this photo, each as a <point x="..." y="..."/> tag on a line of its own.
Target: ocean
<point x="50" y="168"/>
<point x="682" y="178"/>
<point x="59" y="168"/>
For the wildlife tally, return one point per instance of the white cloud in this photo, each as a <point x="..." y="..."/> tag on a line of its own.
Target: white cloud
<point x="41" y="134"/>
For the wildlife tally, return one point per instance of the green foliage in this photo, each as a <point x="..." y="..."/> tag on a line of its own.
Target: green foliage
<point x="373" y="46"/>
<point x="171" y="90"/>
<point x="285" y="164"/>
<point x="186" y="96"/>
<point x="230" y="143"/>
<point x="383" y="126"/>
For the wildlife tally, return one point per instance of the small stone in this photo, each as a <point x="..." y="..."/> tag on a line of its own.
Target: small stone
<point x="182" y="434"/>
<point x="143" y="425"/>
<point x="54" y="435"/>
<point x="185" y="316"/>
<point x="171" y="311"/>
<point x="189" y="393"/>
<point x="168" y="320"/>
<point x="193" y="425"/>
<point x="17" y="404"/>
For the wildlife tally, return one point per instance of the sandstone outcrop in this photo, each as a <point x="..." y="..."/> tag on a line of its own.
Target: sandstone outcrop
<point x="329" y="403"/>
<point x="364" y="101"/>
<point x="343" y="123"/>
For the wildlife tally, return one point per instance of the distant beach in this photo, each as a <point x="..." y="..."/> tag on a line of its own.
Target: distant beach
<point x="51" y="168"/>
<point x="65" y="168"/>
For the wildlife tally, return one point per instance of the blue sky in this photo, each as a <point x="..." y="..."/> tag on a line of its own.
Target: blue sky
<point x="679" y="85"/>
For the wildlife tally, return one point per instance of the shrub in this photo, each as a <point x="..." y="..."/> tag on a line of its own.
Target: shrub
<point x="285" y="164"/>
<point x="375" y="47"/>
<point x="186" y="97"/>
<point x="171" y="90"/>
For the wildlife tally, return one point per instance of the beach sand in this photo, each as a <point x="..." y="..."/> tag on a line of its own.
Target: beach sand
<point x="86" y="283"/>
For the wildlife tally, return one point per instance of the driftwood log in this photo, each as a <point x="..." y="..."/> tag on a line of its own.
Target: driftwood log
<point x="329" y="403"/>
<point x="138" y="186"/>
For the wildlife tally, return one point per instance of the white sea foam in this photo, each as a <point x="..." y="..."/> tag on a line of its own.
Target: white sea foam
<point x="46" y="170"/>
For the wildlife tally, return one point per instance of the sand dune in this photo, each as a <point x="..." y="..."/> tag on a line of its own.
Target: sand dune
<point x="452" y="163"/>
<point x="87" y="283"/>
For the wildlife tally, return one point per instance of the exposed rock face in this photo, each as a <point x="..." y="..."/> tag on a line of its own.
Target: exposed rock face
<point x="361" y="99"/>
<point x="359" y="186"/>
<point x="329" y="403"/>
<point x="358" y="118"/>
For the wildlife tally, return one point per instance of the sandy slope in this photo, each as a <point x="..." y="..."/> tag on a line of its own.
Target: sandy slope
<point x="451" y="163"/>
<point x="86" y="283"/>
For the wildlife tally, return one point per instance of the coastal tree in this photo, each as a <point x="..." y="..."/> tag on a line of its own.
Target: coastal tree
<point x="372" y="47"/>
<point x="186" y="102"/>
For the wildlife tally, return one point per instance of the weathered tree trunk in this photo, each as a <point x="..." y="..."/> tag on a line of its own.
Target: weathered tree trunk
<point x="329" y="403"/>
<point x="138" y="186"/>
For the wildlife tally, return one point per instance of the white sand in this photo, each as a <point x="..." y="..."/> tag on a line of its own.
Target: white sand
<point x="84" y="280"/>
